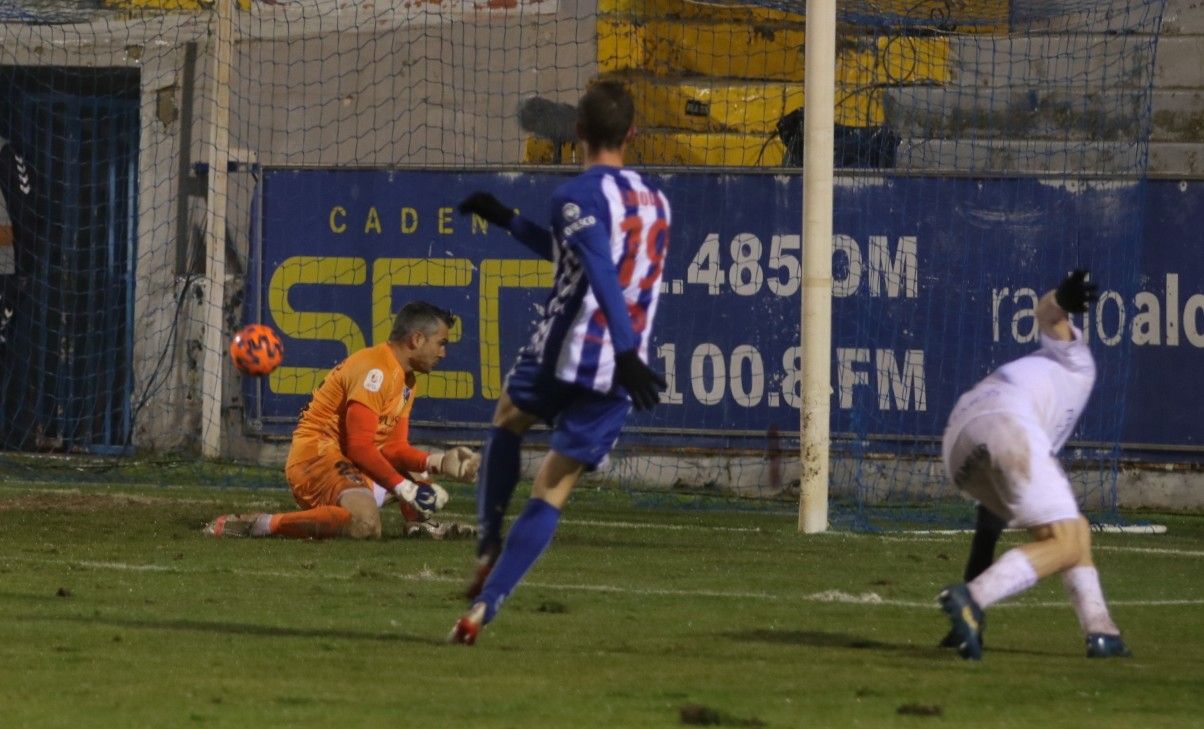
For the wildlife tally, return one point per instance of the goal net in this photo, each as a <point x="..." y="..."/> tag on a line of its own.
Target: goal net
<point x="177" y="169"/>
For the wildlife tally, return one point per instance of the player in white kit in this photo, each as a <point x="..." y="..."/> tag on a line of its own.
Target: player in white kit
<point x="585" y="365"/>
<point x="1001" y="446"/>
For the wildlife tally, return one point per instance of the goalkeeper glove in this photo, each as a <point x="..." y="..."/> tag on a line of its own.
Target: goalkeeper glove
<point x="1075" y="292"/>
<point x="640" y="381"/>
<point x="427" y="498"/>
<point x="459" y="464"/>
<point x="487" y="207"/>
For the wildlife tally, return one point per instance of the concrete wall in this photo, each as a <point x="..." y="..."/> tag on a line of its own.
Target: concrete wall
<point x="1048" y="101"/>
<point x="1177" y="136"/>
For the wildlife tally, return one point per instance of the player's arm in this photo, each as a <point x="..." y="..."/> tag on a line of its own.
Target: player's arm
<point x="400" y="454"/>
<point x="489" y="208"/>
<point x="458" y="463"/>
<point x="1070" y="297"/>
<point x="362" y="451"/>
<point x="1052" y="319"/>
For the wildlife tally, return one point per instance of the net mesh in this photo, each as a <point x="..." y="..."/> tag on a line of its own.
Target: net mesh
<point x="986" y="148"/>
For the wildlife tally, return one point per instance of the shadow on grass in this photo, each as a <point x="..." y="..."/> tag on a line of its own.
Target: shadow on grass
<point x="231" y="628"/>
<point x="30" y="596"/>
<point x="822" y="639"/>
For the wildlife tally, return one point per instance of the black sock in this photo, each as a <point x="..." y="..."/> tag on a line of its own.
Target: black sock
<point x="987" y="528"/>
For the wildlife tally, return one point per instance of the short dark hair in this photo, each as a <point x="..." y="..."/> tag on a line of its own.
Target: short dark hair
<point x="420" y="316"/>
<point x="605" y="115"/>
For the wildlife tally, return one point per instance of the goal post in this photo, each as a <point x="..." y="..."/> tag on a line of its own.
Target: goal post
<point x="216" y="200"/>
<point x="816" y="318"/>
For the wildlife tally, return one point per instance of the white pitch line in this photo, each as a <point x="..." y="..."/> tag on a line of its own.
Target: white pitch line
<point x="1149" y="550"/>
<point x="1097" y="528"/>
<point x="427" y="575"/>
<point x="656" y="525"/>
<point x="1094" y="547"/>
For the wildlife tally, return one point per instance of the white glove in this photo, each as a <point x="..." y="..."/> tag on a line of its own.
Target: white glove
<point x="426" y="498"/>
<point x="471" y="467"/>
<point x="458" y="464"/>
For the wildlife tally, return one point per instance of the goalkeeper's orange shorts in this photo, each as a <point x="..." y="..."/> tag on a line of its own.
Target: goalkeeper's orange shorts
<point x="319" y="475"/>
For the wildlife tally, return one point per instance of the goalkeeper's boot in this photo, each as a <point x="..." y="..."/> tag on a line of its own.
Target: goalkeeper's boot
<point x="468" y="626"/>
<point x="1103" y="645"/>
<point x="232" y="525"/>
<point x="485" y="562"/>
<point x="460" y="530"/>
<point x="965" y="619"/>
<point x="439" y="530"/>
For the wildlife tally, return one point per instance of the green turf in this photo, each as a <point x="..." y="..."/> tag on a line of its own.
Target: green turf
<point x="117" y="612"/>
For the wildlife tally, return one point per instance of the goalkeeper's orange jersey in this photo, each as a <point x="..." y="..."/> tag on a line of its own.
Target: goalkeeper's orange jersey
<point x="371" y="376"/>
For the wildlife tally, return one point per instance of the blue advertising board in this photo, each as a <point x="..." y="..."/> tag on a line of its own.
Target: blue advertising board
<point x="934" y="282"/>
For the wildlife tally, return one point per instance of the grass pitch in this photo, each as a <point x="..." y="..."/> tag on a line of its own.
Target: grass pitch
<point x="117" y="612"/>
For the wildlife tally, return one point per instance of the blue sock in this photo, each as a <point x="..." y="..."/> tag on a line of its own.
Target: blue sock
<point x="500" y="467"/>
<point x="529" y="536"/>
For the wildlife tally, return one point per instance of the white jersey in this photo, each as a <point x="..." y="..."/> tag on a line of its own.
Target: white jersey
<point x="1047" y="390"/>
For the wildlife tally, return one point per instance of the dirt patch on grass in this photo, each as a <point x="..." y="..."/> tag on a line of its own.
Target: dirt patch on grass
<point x="699" y="715"/>
<point x="79" y="501"/>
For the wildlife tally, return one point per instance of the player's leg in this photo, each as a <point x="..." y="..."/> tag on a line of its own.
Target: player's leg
<point x="530" y="395"/>
<point x="529" y="536"/>
<point x="1038" y="496"/>
<point x="996" y="466"/>
<point x="318" y="483"/>
<point x="1082" y="585"/>
<point x="1053" y="549"/>
<point x="584" y="433"/>
<point x="968" y="462"/>
<point x="339" y="501"/>
<point x="987" y="529"/>
<point x="501" y="459"/>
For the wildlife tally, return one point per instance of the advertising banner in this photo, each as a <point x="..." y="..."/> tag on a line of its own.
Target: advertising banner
<point x="935" y="282"/>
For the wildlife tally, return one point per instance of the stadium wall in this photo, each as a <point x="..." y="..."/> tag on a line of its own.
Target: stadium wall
<point x="724" y="342"/>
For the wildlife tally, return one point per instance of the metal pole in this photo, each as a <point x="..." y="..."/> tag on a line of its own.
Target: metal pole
<point x="816" y="326"/>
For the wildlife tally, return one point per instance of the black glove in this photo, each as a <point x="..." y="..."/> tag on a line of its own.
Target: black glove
<point x="640" y="380"/>
<point x="1075" y="292"/>
<point x="487" y="207"/>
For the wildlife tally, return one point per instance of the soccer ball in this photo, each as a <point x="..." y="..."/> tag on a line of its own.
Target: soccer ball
<point x="256" y="350"/>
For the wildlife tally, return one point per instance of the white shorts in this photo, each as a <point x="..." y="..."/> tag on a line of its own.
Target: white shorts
<point x="1007" y="465"/>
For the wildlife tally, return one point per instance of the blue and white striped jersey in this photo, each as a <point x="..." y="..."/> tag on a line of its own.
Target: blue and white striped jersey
<point x="610" y="231"/>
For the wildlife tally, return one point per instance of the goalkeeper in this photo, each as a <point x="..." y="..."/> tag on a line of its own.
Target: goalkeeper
<point x="1000" y="447"/>
<point x="351" y="453"/>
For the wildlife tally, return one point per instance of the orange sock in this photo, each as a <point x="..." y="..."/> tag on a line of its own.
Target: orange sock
<point x="320" y="523"/>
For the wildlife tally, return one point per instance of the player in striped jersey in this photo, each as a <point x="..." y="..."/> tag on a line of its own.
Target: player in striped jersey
<point x="584" y="366"/>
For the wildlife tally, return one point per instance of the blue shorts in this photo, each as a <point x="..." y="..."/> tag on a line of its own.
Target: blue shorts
<point x="585" y="424"/>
